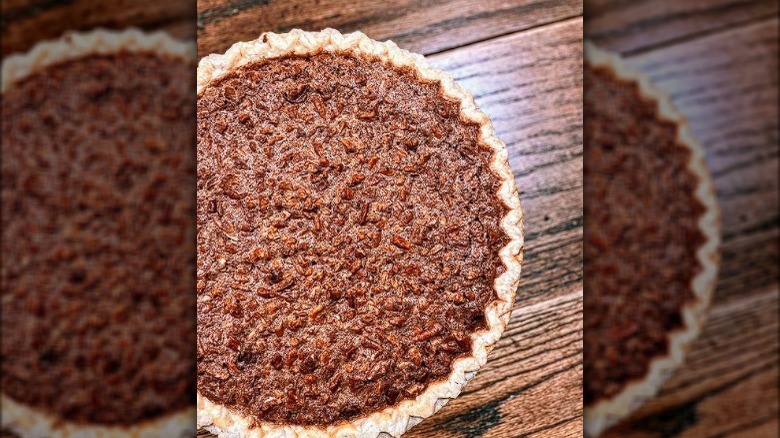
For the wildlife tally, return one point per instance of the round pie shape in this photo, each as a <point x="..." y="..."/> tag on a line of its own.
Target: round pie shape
<point x="651" y="239"/>
<point x="351" y="201"/>
<point x="67" y="281"/>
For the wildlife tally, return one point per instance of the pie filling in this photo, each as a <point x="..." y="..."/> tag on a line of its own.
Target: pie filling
<point x="98" y="267"/>
<point x="641" y="233"/>
<point x="348" y="238"/>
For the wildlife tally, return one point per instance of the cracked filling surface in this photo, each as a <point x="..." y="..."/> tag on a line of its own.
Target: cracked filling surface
<point x="348" y="238"/>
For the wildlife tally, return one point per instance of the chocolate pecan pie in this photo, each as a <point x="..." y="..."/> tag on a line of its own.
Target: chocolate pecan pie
<point x="359" y="238"/>
<point x="651" y="239"/>
<point x="98" y="237"/>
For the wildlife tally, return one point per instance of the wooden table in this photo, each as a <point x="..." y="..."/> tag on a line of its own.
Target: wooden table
<point x="718" y="60"/>
<point x="522" y="61"/>
<point x="26" y="22"/>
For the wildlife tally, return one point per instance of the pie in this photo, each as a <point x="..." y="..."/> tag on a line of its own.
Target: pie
<point x="98" y="233"/>
<point x="359" y="238"/>
<point x="651" y="239"/>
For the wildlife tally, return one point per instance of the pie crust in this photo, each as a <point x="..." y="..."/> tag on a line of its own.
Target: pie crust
<point x="606" y="413"/>
<point x="394" y="420"/>
<point x="20" y="418"/>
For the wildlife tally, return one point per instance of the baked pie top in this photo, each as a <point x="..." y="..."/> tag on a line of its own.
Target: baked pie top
<point x="351" y="231"/>
<point x="641" y="249"/>
<point x="650" y="240"/>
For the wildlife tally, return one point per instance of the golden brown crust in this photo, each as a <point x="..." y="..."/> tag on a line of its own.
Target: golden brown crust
<point x="17" y="417"/>
<point x="395" y="420"/>
<point x="606" y="413"/>
<point x="28" y="422"/>
<point x="78" y="45"/>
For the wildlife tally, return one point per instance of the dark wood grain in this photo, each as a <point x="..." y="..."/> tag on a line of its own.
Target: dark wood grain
<point x="420" y="26"/>
<point x="636" y="25"/>
<point x="26" y="22"/>
<point x="530" y="84"/>
<point x="727" y="85"/>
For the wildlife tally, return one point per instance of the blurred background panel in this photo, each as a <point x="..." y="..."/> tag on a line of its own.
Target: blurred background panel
<point x="25" y="22"/>
<point x="635" y="26"/>
<point x="522" y="61"/>
<point x="98" y="224"/>
<point x="718" y="60"/>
